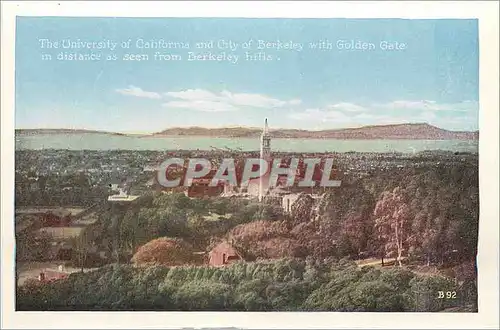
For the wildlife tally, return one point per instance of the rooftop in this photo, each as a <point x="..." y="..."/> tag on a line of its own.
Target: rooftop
<point x="122" y="198"/>
<point x="61" y="232"/>
<point x="88" y="219"/>
<point x="59" y="211"/>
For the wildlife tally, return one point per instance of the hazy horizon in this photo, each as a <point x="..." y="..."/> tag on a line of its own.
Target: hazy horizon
<point x="245" y="127"/>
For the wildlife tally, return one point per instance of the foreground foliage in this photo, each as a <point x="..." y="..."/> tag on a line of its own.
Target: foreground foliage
<point x="280" y="285"/>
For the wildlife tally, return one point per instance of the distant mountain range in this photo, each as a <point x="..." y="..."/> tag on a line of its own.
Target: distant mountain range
<point x="419" y="131"/>
<point x="397" y="131"/>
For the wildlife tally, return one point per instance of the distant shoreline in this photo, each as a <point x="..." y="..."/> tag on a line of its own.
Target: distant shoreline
<point x="158" y="136"/>
<point x="376" y="132"/>
<point x="60" y="131"/>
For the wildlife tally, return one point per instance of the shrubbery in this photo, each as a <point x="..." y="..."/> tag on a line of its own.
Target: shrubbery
<point x="164" y="251"/>
<point x="280" y="285"/>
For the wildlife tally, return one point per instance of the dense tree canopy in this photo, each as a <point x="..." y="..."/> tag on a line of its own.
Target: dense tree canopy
<point x="428" y="214"/>
<point x="281" y="285"/>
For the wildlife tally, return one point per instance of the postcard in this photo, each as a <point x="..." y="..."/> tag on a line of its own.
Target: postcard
<point x="250" y="167"/>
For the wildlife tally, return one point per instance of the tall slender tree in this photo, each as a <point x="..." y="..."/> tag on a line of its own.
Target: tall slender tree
<point x="392" y="221"/>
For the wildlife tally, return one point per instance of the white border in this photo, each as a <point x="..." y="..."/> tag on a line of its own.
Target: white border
<point x="488" y="287"/>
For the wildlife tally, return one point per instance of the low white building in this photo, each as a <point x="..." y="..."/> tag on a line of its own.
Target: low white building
<point x="122" y="196"/>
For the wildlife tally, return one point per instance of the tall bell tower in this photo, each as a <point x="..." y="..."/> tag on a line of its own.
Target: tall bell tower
<point x="265" y="143"/>
<point x="265" y="154"/>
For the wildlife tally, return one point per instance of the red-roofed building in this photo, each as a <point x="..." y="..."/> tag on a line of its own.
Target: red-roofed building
<point x="223" y="254"/>
<point x="48" y="276"/>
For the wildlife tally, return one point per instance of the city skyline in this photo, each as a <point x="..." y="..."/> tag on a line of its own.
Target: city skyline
<point x="434" y="80"/>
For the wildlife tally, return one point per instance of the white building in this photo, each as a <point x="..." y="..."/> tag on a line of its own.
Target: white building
<point x="122" y="196"/>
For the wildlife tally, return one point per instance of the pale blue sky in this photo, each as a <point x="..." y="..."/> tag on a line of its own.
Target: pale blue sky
<point x="434" y="80"/>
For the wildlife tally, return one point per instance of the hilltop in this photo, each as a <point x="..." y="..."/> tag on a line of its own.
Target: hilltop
<point x="419" y="131"/>
<point x="212" y="132"/>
